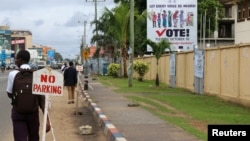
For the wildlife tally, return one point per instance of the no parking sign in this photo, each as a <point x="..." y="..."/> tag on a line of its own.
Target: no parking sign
<point x="47" y="81"/>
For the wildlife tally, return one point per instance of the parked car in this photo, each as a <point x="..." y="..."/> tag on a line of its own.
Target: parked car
<point x="41" y="64"/>
<point x="11" y="66"/>
<point x="34" y="66"/>
<point x="55" y="66"/>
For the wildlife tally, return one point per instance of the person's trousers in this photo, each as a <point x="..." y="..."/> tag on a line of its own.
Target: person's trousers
<point x="71" y="93"/>
<point x="25" y="126"/>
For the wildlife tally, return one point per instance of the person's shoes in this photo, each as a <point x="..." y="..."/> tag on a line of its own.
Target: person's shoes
<point x="69" y="102"/>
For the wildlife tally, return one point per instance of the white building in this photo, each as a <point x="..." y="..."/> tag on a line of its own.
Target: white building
<point x="240" y="11"/>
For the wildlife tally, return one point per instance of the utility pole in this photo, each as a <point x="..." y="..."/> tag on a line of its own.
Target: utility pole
<point x="131" y="49"/>
<point x="83" y="44"/>
<point x="204" y="29"/>
<point x="83" y="40"/>
<point x="95" y="1"/>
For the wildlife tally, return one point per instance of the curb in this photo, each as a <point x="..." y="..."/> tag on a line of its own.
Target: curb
<point x="109" y="130"/>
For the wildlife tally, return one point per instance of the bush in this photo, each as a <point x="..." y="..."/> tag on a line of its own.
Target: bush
<point x="141" y="68"/>
<point x="113" y="69"/>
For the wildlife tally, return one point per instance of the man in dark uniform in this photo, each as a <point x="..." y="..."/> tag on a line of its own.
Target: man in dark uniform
<point x="70" y="81"/>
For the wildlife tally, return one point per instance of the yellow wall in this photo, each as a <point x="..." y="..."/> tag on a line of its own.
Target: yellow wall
<point x="212" y="76"/>
<point x="244" y="83"/>
<point x="226" y="71"/>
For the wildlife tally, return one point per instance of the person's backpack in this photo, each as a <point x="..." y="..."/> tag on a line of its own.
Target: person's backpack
<point x="23" y="100"/>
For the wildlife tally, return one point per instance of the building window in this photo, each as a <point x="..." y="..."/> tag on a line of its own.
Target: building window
<point x="243" y="10"/>
<point x="239" y="12"/>
<point x="248" y="9"/>
<point x="228" y="12"/>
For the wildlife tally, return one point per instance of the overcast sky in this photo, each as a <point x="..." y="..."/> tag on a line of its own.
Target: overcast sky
<point x="54" y="23"/>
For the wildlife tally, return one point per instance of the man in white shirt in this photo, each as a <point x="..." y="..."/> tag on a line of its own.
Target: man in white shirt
<point x="25" y="125"/>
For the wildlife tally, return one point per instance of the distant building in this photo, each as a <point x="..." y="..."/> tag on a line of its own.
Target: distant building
<point x="39" y="50"/>
<point x="241" y="14"/>
<point x="5" y="47"/>
<point x="234" y="27"/>
<point x="225" y="33"/>
<point x="92" y="50"/>
<point x="4" y="27"/>
<point x="18" y="40"/>
<point x="21" y="39"/>
<point x="45" y="52"/>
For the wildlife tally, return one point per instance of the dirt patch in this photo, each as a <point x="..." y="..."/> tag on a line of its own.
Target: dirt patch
<point x="201" y="126"/>
<point x="67" y="118"/>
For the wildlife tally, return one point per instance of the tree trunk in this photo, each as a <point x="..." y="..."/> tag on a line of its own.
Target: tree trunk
<point x="125" y="67"/>
<point x="124" y="57"/>
<point x="157" y="83"/>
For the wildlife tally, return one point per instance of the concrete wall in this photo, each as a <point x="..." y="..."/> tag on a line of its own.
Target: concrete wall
<point x="226" y="72"/>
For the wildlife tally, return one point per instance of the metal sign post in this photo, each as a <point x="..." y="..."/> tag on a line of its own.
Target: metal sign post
<point x="79" y="68"/>
<point x="45" y="114"/>
<point x="53" y="82"/>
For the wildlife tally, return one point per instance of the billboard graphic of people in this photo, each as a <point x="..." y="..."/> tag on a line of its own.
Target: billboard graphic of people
<point x="5" y="38"/>
<point x="174" y="20"/>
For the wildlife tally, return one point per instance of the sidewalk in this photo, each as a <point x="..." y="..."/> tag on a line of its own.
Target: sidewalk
<point x="122" y="123"/>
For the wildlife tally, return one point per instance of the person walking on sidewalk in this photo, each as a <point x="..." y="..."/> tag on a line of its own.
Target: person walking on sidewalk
<point x="64" y="66"/>
<point x="70" y="82"/>
<point x="25" y="120"/>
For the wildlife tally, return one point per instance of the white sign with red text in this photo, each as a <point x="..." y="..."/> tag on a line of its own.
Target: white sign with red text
<point x="47" y="81"/>
<point x="79" y="68"/>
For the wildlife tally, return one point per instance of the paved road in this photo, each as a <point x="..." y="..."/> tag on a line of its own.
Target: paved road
<point x="5" y="108"/>
<point x="65" y="124"/>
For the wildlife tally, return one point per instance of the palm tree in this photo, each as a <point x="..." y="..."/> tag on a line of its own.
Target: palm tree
<point x="113" y="25"/>
<point x="104" y="38"/>
<point x="119" y="30"/>
<point x="158" y="49"/>
<point x="113" y="29"/>
<point x="140" y="33"/>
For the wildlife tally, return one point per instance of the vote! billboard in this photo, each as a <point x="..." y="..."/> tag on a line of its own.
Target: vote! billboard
<point x="47" y="81"/>
<point x="173" y="20"/>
